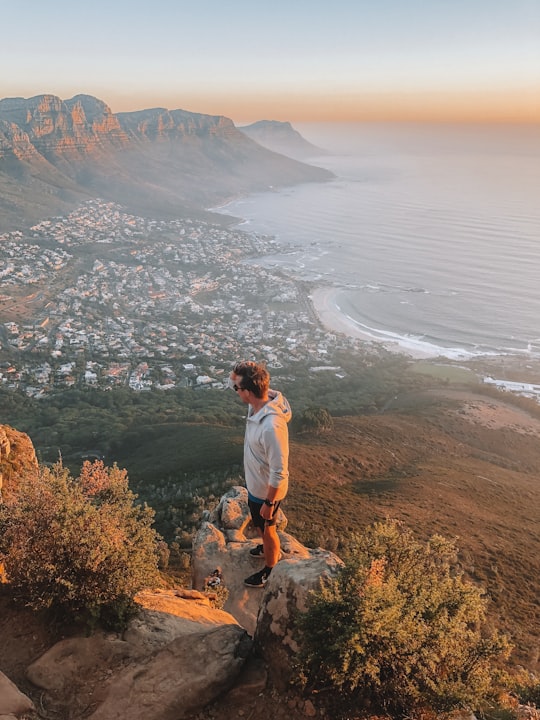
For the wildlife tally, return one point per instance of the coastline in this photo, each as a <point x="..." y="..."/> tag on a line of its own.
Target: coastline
<point x="520" y="373"/>
<point x="324" y="301"/>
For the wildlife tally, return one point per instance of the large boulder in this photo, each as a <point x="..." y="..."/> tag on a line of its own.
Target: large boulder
<point x="192" y="670"/>
<point x="285" y="594"/>
<point x="177" y="655"/>
<point x="75" y="661"/>
<point x="168" y="615"/>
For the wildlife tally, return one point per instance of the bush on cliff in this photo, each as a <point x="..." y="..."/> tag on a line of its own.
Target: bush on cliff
<point x="79" y="546"/>
<point x="399" y="627"/>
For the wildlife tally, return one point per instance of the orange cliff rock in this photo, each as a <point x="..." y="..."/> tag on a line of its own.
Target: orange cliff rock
<point x="17" y="456"/>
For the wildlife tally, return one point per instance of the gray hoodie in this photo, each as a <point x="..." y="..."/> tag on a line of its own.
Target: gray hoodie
<point x="266" y="447"/>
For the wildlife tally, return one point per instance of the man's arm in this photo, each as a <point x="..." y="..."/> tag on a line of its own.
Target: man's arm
<point x="276" y="439"/>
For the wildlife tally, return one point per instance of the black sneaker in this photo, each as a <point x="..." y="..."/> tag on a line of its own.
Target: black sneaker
<point x="258" y="579"/>
<point x="257" y="551"/>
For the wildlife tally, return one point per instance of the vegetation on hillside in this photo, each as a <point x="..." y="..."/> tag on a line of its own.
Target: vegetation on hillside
<point x="374" y="443"/>
<point x="80" y="547"/>
<point x="400" y="628"/>
<point x="183" y="447"/>
<point x="115" y="422"/>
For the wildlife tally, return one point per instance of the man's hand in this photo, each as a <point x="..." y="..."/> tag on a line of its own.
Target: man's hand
<point x="267" y="512"/>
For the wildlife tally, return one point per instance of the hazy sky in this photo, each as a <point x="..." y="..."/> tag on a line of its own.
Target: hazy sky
<point x="296" y="60"/>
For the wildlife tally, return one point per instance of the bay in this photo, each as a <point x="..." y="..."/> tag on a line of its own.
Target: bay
<point x="429" y="235"/>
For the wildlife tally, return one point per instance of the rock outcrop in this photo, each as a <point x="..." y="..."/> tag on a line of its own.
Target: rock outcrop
<point x="180" y="652"/>
<point x="223" y="542"/>
<point x="17" y="456"/>
<point x="285" y="594"/>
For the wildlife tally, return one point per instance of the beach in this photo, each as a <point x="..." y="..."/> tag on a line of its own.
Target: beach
<point x="324" y="301"/>
<point x="519" y="371"/>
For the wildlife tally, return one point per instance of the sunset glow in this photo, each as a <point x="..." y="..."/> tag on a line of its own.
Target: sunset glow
<point x="440" y="61"/>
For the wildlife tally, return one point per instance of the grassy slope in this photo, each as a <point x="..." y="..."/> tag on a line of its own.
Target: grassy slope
<point x="446" y="461"/>
<point x="438" y="472"/>
<point x="425" y="461"/>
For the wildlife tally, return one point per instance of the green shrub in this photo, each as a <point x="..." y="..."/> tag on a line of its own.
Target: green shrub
<point x="316" y="420"/>
<point x="399" y="627"/>
<point x="527" y="690"/>
<point x="79" y="546"/>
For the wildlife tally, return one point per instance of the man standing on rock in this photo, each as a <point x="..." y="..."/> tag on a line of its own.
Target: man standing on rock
<point x="266" y="458"/>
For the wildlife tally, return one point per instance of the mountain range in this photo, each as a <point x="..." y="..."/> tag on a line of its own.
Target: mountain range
<point x="55" y="153"/>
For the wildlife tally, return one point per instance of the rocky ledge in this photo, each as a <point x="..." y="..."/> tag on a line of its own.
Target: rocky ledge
<point x="182" y="653"/>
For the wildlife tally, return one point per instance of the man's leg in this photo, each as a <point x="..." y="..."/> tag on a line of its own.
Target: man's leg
<point x="256" y="519"/>
<point x="271" y="544"/>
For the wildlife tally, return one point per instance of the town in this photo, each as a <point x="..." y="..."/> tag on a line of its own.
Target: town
<point x="101" y="298"/>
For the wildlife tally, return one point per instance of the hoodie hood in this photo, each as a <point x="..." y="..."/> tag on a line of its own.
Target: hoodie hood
<point x="276" y="405"/>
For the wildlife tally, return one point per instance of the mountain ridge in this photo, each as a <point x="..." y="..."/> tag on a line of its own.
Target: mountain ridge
<point x="156" y="161"/>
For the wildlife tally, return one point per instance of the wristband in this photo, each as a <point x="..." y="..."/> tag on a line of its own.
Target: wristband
<point x="270" y="504"/>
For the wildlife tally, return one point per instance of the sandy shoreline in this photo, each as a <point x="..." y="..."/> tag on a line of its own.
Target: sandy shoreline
<point x="519" y="368"/>
<point x="331" y="317"/>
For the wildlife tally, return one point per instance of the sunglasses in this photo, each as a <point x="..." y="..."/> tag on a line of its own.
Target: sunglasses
<point x="234" y="386"/>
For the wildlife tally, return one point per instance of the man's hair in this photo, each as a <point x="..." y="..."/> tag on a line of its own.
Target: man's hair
<point x="255" y="377"/>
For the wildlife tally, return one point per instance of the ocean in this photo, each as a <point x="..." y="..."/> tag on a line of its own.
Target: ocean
<point x="429" y="234"/>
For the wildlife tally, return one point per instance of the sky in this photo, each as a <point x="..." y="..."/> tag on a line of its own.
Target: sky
<point x="288" y="60"/>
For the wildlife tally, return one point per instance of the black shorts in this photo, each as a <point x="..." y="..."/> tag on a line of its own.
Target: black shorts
<point x="257" y="519"/>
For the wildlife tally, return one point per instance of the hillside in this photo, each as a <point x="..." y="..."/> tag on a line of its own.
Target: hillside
<point x="444" y="461"/>
<point x="448" y="462"/>
<point x="55" y="153"/>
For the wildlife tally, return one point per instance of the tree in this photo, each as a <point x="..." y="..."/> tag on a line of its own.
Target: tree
<point x="316" y="419"/>
<point x="81" y="546"/>
<point x="399" y="627"/>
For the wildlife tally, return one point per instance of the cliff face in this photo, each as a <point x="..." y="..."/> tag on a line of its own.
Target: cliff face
<point x="15" y="142"/>
<point x="17" y="456"/>
<point x="154" y="161"/>
<point x="73" y="129"/>
<point x="161" y="124"/>
<point x="83" y="124"/>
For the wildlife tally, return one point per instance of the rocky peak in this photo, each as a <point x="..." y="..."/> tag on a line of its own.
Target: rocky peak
<point x="71" y="128"/>
<point x="21" y="110"/>
<point x="94" y="116"/>
<point x="223" y="543"/>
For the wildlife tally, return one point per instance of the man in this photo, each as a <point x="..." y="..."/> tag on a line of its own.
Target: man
<point x="266" y="458"/>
